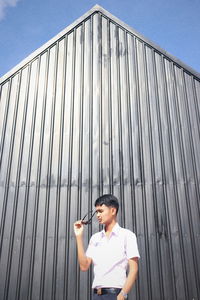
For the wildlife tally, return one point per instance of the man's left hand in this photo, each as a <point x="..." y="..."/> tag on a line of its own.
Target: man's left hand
<point x="120" y="297"/>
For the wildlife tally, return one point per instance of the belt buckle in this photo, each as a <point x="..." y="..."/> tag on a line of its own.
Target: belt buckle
<point x="99" y="292"/>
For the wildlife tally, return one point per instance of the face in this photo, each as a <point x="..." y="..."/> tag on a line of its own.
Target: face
<point x="105" y="214"/>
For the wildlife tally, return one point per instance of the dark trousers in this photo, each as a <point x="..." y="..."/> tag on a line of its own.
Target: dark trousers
<point x="104" y="297"/>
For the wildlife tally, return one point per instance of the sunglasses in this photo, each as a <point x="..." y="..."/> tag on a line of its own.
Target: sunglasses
<point x="88" y="220"/>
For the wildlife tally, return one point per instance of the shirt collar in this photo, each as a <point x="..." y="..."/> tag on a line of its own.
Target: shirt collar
<point x="115" y="230"/>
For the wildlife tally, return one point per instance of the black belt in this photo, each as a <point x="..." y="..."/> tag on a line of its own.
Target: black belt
<point x="103" y="291"/>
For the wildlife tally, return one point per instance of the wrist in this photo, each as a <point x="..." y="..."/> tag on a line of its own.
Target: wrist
<point x="79" y="240"/>
<point x="125" y="295"/>
<point x="79" y="236"/>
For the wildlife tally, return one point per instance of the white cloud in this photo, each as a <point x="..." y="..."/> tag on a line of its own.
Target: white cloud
<point x="4" y="4"/>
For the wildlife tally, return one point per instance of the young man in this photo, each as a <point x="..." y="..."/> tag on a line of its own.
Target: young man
<point x="112" y="251"/>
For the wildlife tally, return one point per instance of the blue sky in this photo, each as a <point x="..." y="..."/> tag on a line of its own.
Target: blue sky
<point x="26" y="25"/>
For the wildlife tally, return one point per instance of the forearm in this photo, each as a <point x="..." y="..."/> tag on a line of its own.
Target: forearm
<point x="132" y="275"/>
<point x="131" y="278"/>
<point x="82" y="258"/>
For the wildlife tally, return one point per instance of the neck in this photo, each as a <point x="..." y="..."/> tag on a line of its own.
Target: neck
<point x="109" y="226"/>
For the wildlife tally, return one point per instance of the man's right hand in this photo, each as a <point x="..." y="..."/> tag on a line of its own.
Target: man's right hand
<point x="78" y="228"/>
<point x="84" y="261"/>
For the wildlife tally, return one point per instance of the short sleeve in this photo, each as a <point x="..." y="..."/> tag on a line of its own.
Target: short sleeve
<point x="131" y="245"/>
<point x="90" y="249"/>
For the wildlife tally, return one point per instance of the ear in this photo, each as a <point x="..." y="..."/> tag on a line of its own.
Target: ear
<point x="113" y="211"/>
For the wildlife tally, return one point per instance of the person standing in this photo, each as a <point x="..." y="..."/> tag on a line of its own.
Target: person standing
<point x="112" y="251"/>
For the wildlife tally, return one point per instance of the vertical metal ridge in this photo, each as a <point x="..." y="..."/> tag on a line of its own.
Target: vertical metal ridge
<point x="38" y="179"/>
<point x="70" y="161"/>
<point x="24" y="222"/>
<point x="66" y="257"/>
<point x="196" y="104"/>
<point x="2" y="224"/>
<point x="7" y="186"/>
<point x="136" y="71"/>
<point x="58" y="193"/>
<point x="96" y="107"/>
<point x="100" y="105"/>
<point x="152" y="166"/>
<point x="197" y="188"/>
<point x="156" y="209"/>
<point x="197" y="113"/>
<point x="163" y="171"/>
<point x="176" y="180"/>
<point x="11" y="239"/>
<point x="191" y="229"/>
<point x="145" y="181"/>
<point x="141" y="162"/>
<point x="18" y="179"/>
<point x="119" y="123"/>
<point x="124" y="142"/>
<point x="80" y="147"/>
<point x="91" y="115"/>
<point x="5" y="119"/>
<point x="110" y="111"/>
<point x="198" y="129"/>
<point x="129" y="125"/>
<point x="90" y="200"/>
<point x="180" y="139"/>
<point x="91" y="112"/>
<point x="46" y="218"/>
<point x="106" y="117"/>
<point x="130" y="129"/>
<point x="114" y="105"/>
<point x="171" y="151"/>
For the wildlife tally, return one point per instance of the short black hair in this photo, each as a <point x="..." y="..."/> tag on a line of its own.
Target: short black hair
<point x="108" y="200"/>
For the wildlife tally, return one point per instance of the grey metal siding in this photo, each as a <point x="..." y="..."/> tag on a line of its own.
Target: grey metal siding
<point x="99" y="111"/>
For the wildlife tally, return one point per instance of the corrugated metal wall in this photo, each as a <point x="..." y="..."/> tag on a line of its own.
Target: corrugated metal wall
<point x="99" y="111"/>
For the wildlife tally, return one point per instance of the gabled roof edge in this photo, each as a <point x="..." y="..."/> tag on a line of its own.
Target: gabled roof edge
<point x="36" y="52"/>
<point x="98" y="8"/>
<point x="147" y="41"/>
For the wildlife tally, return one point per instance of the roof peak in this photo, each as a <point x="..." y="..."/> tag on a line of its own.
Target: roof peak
<point x="97" y="8"/>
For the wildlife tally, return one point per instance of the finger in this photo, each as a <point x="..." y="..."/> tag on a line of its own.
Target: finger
<point x="78" y="224"/>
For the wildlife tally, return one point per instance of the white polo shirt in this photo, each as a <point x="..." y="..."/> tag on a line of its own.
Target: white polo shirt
<point x="110" y="256"/>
